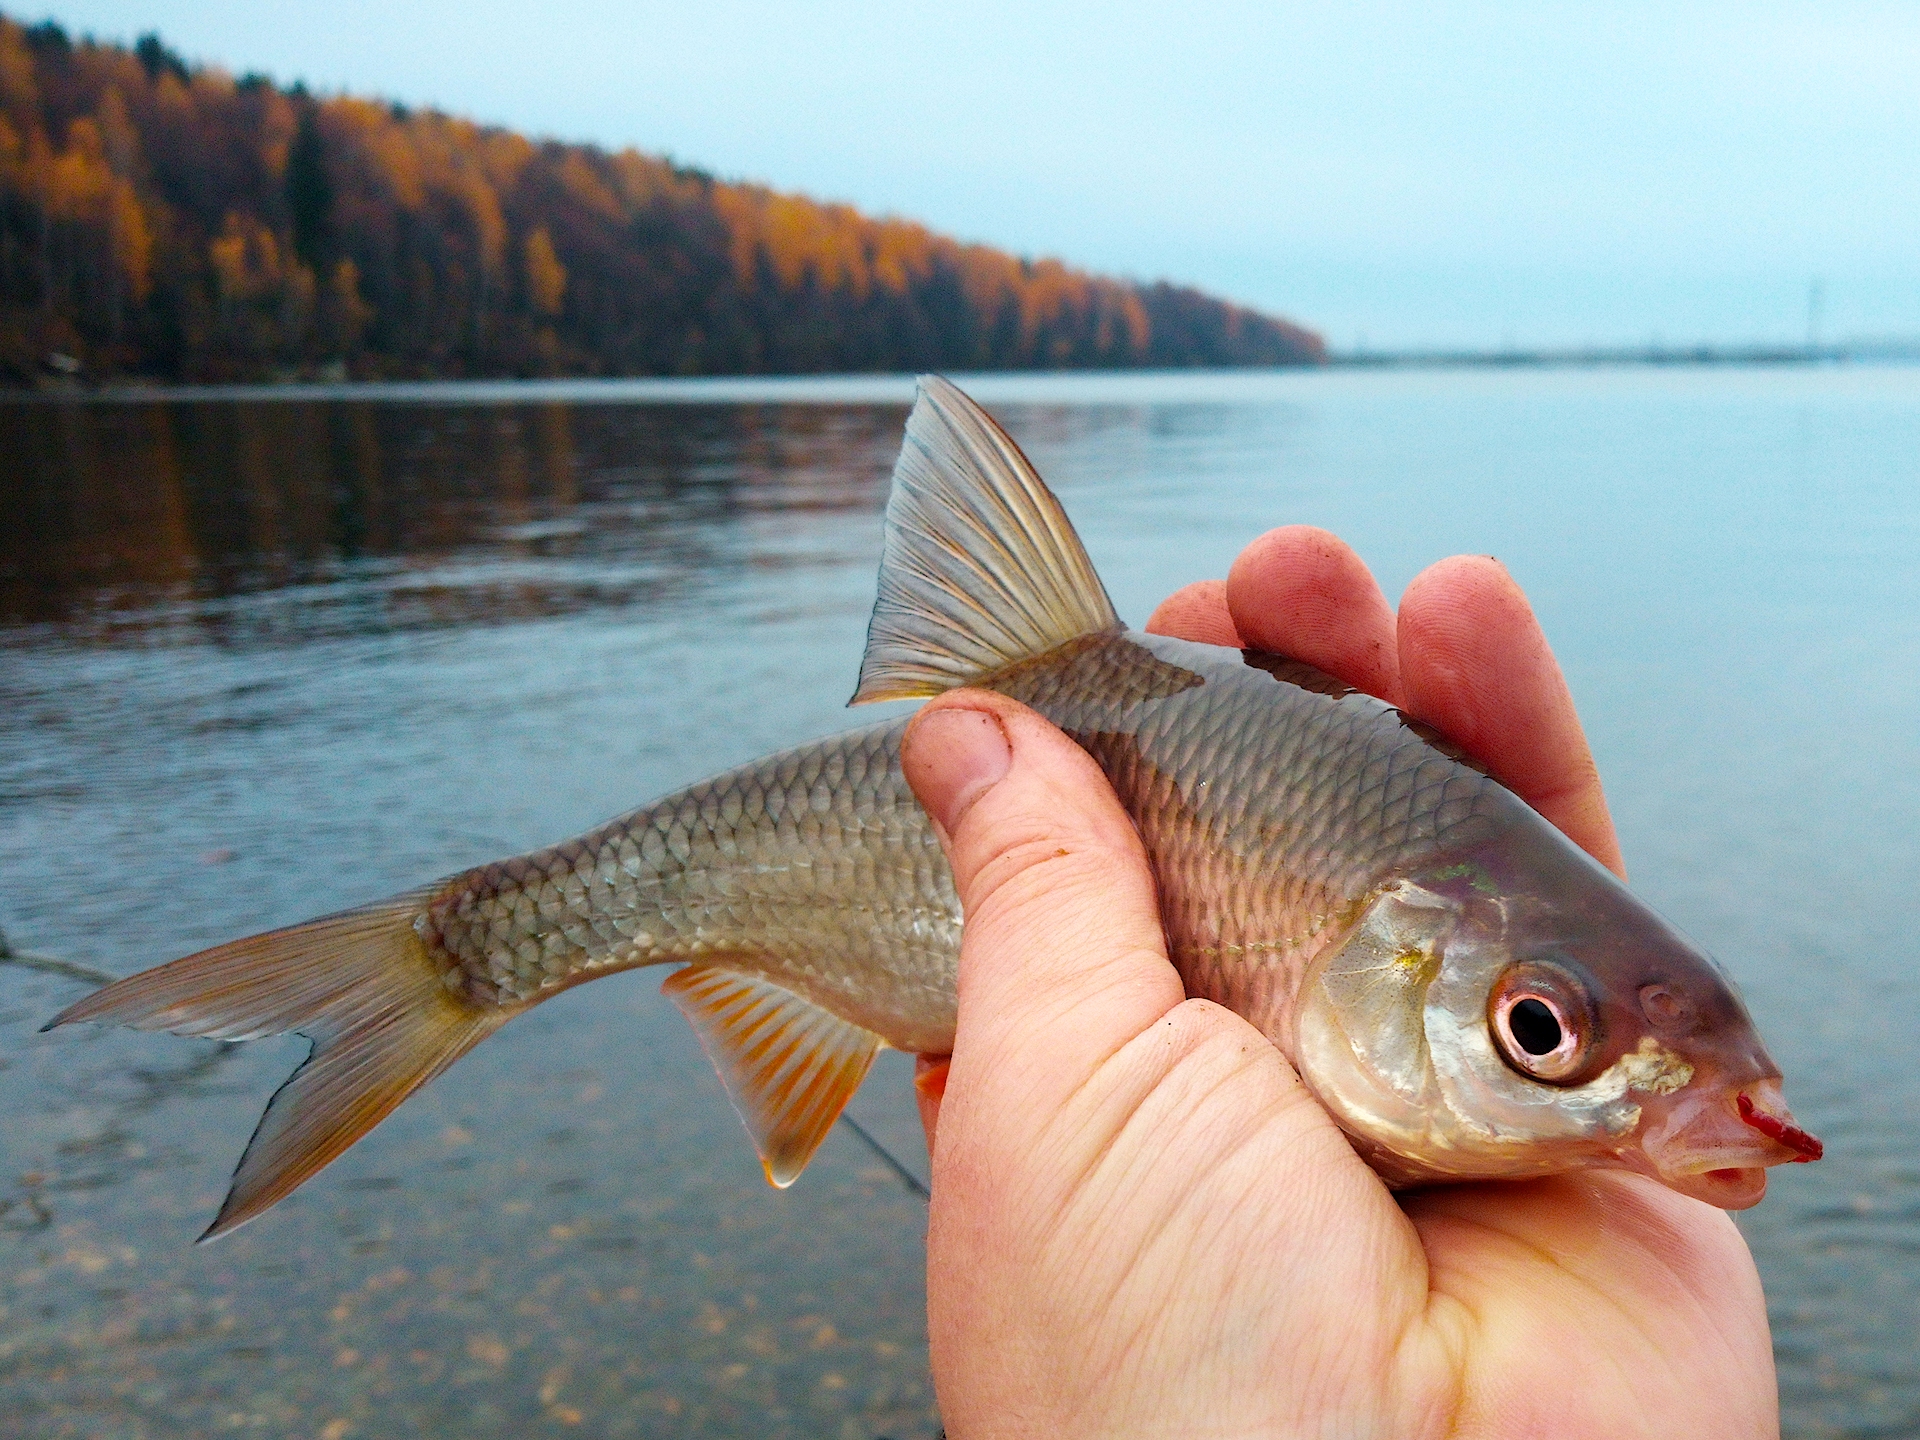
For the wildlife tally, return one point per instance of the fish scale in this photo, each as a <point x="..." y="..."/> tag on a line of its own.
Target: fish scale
<point x="806" y="861"/>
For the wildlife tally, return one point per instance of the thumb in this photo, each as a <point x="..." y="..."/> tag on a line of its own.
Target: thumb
<point x="1063" y="960"/>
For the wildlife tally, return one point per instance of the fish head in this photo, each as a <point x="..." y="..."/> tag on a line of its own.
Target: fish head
<point x="1516" y="1011"/>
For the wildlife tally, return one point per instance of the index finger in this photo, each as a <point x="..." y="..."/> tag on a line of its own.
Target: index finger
<point x="1476" y="666"/>
<point x="1301" y="592"/>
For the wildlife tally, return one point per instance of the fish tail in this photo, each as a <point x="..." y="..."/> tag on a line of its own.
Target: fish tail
<point x="361" y="985"/>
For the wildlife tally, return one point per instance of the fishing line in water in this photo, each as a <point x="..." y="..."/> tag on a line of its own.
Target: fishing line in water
<point x="47" y="963"/>
<point x="72" y="971"/>
<point x="907" y="1178"/>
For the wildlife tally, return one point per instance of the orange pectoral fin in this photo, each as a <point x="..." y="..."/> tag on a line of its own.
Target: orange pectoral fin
<point x="788" y="1066"/>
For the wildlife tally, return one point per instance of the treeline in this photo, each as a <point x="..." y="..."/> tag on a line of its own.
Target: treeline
<point x="167" y="220"/>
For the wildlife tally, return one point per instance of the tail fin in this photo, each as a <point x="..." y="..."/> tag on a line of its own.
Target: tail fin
<point x="359" y="984"/>
<point x="981" y="567"/>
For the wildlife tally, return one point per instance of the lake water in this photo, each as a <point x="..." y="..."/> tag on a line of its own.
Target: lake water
<point x="266" y="657"/>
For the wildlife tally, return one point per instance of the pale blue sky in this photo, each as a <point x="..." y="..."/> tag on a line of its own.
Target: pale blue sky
<point x="1533" y="173"/>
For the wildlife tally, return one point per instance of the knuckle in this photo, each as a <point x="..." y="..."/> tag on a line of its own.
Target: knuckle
<point x="1057" y="879"/>
<point x="1024" y="858"/>
<point x="1200" y="1032"/>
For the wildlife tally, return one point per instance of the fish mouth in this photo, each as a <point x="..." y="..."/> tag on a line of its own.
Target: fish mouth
<point x="1731" y="1187"/>
<point x="1716" y="1145"/>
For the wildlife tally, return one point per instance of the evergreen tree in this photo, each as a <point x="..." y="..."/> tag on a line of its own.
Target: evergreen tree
<point x="157" y="60"/>
<point x="309" y="191"/>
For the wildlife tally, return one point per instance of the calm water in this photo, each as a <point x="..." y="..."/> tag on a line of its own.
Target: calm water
<point x="261" y="659"/>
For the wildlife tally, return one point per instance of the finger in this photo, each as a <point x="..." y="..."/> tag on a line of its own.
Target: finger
<point x="929" y="1089"/>
<point x="1196" y="612"/>
<point x="1063" y="960"/>
<point x="1477" y="667"/>
<point x="1301" y="592"/>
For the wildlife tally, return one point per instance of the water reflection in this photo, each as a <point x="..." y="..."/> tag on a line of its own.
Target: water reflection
<point x="258" y="521"/>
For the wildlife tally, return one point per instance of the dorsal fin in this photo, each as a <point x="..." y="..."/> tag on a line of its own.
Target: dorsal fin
<point x="789" y="1066"/>
<point x="981" y="566"/>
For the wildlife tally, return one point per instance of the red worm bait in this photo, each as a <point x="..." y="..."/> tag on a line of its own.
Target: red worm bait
<point x="1792" y="1136"/>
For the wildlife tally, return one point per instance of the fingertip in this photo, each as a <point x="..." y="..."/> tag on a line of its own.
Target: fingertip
<point x="1465" y="630"/>
<point x="1473" y="656"/>
<point x="1196" y="612"/>
<point x="967" y="745"/>
<point x="1476" y="665"/>
<point x="951" y="755"/>
<point x="929" y="1089"/>
<point x="1464" y="595"/>
<point x="1303" y="592"/>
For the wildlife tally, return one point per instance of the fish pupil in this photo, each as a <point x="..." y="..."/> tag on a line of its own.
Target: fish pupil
<point x="1534" y="1026"/>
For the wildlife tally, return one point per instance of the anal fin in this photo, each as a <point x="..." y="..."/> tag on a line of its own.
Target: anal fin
<point x="788" y="1065"/>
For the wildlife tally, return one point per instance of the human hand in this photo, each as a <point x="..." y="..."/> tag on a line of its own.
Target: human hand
<point x="1142" y="1223"/>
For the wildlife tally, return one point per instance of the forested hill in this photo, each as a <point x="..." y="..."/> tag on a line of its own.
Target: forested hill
<point x="165" y="220"/>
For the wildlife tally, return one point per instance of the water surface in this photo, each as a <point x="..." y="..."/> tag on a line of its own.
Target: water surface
<point x="262" y="658"/>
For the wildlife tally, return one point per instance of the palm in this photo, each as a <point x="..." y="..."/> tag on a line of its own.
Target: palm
<point x="1178" y="1274"/>
<point x="1582" y="1280"/>
<point x="1144" y="1224"/>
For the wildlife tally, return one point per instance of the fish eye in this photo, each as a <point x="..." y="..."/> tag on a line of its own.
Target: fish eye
<point x="1541" y="1023"/>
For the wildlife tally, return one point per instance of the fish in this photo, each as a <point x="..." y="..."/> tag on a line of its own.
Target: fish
<point x="1468" y="994"/>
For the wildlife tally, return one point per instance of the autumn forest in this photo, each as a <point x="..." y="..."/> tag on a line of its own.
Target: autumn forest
<point x="167" y="221"/>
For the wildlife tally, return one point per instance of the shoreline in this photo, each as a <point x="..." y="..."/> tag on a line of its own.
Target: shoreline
<point x="886" y="387"/>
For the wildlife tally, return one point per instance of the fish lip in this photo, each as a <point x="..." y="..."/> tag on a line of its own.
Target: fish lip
<point x="1724" y="1187"/>
<point x="1730" y="1177"/>
<point x="1706" y="1162"/>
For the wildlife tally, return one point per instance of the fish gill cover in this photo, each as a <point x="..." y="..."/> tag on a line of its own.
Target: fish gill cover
<point x="164" y="219"/>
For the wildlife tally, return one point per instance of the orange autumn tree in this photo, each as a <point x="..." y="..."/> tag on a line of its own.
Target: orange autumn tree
<point x="169" y="220"/>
